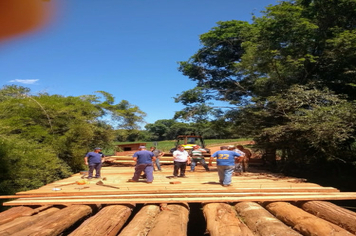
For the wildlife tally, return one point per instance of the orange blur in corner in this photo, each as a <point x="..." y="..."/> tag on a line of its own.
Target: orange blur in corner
<point x="22" y="16"/>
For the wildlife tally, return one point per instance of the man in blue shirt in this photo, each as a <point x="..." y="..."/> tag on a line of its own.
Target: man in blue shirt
<point x="94" y="160"/>
<point x="225" y="161"/>
<point x="143" y="159"/>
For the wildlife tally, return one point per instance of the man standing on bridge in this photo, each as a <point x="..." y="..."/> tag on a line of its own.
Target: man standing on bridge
<point x="225" y="161"/>
<point x="143" y="159"/>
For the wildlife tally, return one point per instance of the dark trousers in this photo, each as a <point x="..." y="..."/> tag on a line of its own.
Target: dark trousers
<point x="181" y="166"/>
<point x="96" y="167"/>
<point x="147" y="168"/>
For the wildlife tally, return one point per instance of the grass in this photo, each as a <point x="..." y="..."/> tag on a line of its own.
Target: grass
<point x="166" y="145"/>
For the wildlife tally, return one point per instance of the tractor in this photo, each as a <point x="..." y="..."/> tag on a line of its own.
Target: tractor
<point x="189" y="141"/>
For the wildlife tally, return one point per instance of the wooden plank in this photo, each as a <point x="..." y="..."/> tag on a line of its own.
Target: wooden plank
<point x="250" y="191"/>
<point x="192" y="195"/>
<point x="301" y="197"/>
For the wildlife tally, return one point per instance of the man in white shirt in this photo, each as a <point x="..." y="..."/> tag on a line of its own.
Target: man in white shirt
<point x="181" y="159"/>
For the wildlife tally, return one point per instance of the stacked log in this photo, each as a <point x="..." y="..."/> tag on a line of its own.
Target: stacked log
<point x="304" y="222"/>
<point x="143" y="221"/>
<point x="24" y="222"/>
<point x="110" y="219"/>
<point x="171" y="221"/>
<point x="14" y="213"/>
<point x="58" y="222"/>
<point x="261" y="222"/>
<point x="221" y="220"/>
<point x="332" y="213"/>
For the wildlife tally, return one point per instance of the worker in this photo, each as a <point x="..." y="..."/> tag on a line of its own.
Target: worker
<point x="197" y="156"/>
<point x="246" y="157"/>
<point x="144" y="162"/>
<point x="225" y="160"/>
<point x="181" y="159"/>
<point x="94" y="160"/>
<point x="158" y="154"/>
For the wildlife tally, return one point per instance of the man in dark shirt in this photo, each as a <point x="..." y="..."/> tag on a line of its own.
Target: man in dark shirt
<point x="143" y="159"/>
<point x="94" y="160"/>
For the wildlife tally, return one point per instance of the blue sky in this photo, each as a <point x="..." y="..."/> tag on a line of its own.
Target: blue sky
<point x="129" y="48"/>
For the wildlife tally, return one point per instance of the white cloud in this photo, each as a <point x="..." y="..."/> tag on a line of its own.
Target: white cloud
<point x="24" y="81"/>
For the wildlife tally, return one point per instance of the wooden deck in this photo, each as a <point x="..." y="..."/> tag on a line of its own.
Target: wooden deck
<point x="199" y="187"/>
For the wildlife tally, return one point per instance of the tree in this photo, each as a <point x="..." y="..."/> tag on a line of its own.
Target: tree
<point x="59" y="129"/>
<point x="253" y="67"/>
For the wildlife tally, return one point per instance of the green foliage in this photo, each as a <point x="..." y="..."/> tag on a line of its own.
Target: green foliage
<point x="27" y="165"/>
<point x="53" y="133"/>
<point x="289" y="78"/>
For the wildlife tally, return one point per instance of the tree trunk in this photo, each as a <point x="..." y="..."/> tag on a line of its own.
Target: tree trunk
<point x="221" y="220"/>
<point x="261" y="222"/>
<point x="107" y="222"/>
<point x="14" y="213"/>
<point x="142" y="223"/>
<point x="333" y="213"/>
<point x="57" y="222"/>
<point x="304" y="222"/>
<point x="171" y="221"/>
<point x="25" y="221"/>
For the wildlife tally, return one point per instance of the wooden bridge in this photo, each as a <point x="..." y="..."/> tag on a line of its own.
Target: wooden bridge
<point x="257" y="203"/>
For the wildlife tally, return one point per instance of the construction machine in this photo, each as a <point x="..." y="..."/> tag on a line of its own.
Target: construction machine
<point x="189" y="141"/>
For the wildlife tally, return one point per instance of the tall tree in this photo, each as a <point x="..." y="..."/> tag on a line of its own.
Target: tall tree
<point x="252" y="66"/>
<point x="59" y="129"/>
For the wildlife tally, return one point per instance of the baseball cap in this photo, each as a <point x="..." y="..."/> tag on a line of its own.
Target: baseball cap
<point x="142" y="147"/>
<point x="97" y="148"/>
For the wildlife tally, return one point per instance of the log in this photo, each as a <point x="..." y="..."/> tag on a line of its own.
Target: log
<point x="304" y="222"/>
<point x="332" y="213"/>
<point x="21" y="223"/>
<point x="261" y="222"/>
<point x="108" y="221"/>
<point x="14" y="212"/>
<point x="143" y="221"/>
<point x="57" y="222"/>
<point x="171" y="221"/>
<point x="221" y="220"/>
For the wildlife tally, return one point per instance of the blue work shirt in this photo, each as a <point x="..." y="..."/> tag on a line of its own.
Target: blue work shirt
<point x="225" y="157"/>
<point x="143" y="157"/>
<point x="93" y="157"/>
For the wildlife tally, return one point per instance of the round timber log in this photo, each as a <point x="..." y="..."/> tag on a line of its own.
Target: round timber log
<point x="14" y="212"/>
<point x="261" y="222"/>
<point x="171" y="221"/>
<point x="23" y="222"/>
<point x="221" y="220"/>
<point x="108" y="221"/>
<point x="304" y="222"/>
<point x="143" y="221"/>
<point x="333" y="213"/>
<point x="58" y="222"/>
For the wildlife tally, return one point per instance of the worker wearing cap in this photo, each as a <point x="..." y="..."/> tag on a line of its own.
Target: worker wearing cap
<point x="94" y="160"/>
<point x="143" y="159"/>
